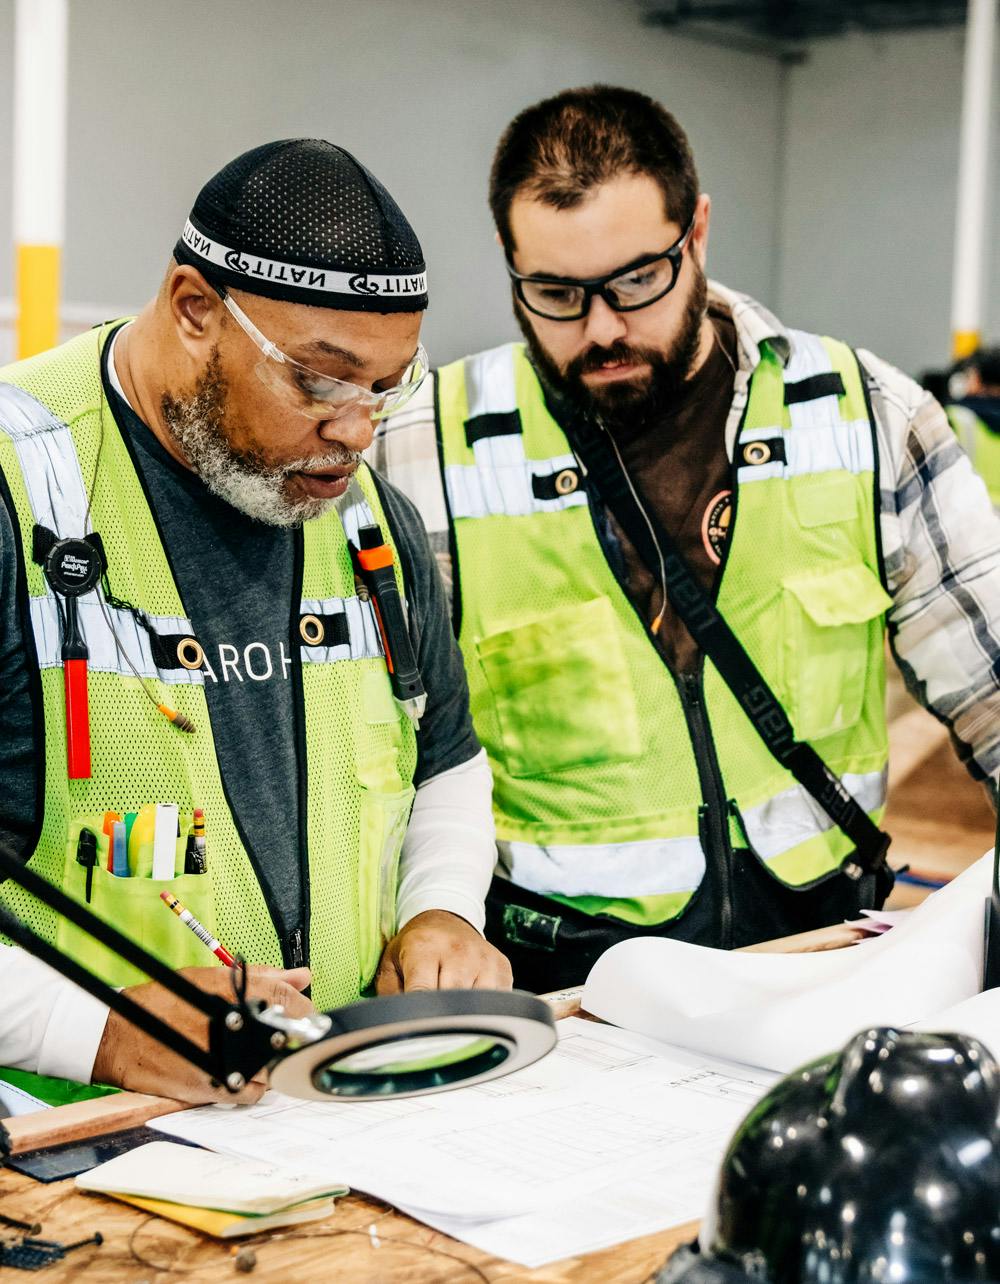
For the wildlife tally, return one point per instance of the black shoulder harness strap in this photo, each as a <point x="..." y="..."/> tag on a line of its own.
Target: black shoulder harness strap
<point x="606" y="479"/>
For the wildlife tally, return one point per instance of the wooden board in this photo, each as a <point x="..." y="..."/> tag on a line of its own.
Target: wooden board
<point x="82" y="1119"/>
<point x="364" y="1240"/>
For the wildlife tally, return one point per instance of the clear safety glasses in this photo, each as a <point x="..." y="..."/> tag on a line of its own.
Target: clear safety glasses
<point x="320" y="396"/>
<point x="636" y="285"/>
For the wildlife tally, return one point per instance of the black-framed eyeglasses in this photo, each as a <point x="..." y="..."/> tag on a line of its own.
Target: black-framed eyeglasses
<point x="626" y="289"/>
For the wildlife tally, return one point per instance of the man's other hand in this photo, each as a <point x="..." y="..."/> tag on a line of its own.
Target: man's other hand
<point x="440" y="951"/>
<point x="130" y="1059"/>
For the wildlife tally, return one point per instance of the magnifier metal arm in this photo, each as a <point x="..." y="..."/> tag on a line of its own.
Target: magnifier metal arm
<point x="240" y="1044"/>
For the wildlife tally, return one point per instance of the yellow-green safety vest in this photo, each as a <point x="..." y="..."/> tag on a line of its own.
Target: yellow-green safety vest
<point x="981" y="445"/>
<point x="597" y="790"/>
<point x="357" y="754"/>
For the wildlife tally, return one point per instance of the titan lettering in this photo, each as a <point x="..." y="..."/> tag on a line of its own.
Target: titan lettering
<point x="404" y="285"/>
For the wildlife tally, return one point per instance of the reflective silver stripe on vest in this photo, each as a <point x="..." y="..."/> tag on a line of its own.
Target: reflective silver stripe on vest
<point x="48" y="459"/>
<point x="793" y="817"/>
<point x="660" y="866"/>
<point x="105" y="653"/>
<point x="819" y="441"/>
<point x="51" y="469"/>
<point x="489" y="382"/>
<point x="648" y="867"/>
<point x="499" y="482"/>
<point x="363" y="636"/>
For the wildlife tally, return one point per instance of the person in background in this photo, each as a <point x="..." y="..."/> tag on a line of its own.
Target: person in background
<point x="974" y="412"/>
<point x="661" y="467"/>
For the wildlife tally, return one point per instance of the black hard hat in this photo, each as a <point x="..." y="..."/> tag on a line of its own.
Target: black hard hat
<point x="877" y="1164"/>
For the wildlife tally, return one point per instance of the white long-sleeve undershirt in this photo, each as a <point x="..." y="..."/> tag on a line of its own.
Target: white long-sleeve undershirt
<point x="47" y="1024"/>
<point x="450" y="847"/>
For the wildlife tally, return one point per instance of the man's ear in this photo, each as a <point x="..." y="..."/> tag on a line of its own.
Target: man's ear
<point x="699" y="237"/>
<point x="195" y="308"/>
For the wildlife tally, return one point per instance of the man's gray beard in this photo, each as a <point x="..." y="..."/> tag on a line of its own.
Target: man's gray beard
<point x="243" y="480"/>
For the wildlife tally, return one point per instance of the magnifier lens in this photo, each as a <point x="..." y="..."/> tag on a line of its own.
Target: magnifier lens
<point x="411" y="1064"/>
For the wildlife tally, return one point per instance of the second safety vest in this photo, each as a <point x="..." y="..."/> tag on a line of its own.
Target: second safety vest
<point x="980" y="444"/>
<point x="65" y="465"/>
<point x="597" y="789"/>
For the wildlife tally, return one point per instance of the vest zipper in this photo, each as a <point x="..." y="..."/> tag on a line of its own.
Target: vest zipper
<point x="713" y="814"/>
<point x="293" y="950"/>
<point x="295" y="947"/>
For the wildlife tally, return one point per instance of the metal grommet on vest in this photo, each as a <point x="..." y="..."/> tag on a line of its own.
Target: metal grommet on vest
<point x="190" y="653"/>
<point x="756" y="452"/>
<point x="567" y="481"/>
<point x="312" y="630"/>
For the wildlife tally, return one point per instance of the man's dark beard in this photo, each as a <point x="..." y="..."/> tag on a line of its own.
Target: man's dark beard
<point x="626" y="400"/>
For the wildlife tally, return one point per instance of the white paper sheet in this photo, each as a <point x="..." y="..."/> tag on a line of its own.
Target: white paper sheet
<point x="780" y="1010"/>
<point x="978" y="1016"/>
<point x="15" y="1101"/>
<point x="607" y="1111"/>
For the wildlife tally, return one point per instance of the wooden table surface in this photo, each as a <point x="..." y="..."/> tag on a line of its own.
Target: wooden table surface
<point x="364" y="1241"/>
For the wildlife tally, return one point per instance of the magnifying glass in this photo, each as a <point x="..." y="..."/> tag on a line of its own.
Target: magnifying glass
<point x="404" y="1045"/>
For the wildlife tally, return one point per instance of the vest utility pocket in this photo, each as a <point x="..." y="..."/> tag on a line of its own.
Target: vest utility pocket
<point x="562" y="691"/>
<point x="133" y="906"/>
<point x="384" y="817"/>
<point x="832" y="622"/>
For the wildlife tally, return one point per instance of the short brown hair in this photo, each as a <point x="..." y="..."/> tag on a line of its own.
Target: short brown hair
<point x="561" y="148"/>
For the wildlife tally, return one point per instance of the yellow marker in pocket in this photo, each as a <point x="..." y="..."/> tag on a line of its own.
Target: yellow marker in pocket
<point x="140" y="843"/>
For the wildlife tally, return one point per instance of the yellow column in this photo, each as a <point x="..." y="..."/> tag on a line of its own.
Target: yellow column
<point x="39" y="168"/>
<point x="37" y="287"/>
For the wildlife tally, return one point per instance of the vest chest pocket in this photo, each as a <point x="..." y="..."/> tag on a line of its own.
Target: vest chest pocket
<point x="832" y="631"/>
<point x="562" y="691"/>
<point x="133" y="906"/>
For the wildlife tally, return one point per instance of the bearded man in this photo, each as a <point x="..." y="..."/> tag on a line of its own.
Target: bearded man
<point x="205" y="458"/>
<point x="675" y="531"/>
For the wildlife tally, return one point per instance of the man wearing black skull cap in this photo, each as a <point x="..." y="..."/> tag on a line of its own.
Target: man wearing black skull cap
<point x="236" y="660"/>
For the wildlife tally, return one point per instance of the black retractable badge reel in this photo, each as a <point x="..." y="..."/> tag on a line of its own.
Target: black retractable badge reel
<point x="72" y="567"/>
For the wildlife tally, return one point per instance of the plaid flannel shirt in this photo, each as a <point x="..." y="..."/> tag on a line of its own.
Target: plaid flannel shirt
<point x="940" y="535"/>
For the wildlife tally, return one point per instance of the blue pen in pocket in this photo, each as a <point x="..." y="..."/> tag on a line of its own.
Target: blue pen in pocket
<point x="119" y="850"/>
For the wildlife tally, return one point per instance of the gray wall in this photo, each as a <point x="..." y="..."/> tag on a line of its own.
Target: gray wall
<point x="833" y="183"/>
<point x="163" y="94"/>
<point x="868" y="208"/>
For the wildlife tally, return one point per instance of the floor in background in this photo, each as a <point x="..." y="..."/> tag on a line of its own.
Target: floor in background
<point x="939" y="817"/>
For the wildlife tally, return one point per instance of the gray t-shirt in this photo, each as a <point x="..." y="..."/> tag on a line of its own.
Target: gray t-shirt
<point x="236" y="578"/>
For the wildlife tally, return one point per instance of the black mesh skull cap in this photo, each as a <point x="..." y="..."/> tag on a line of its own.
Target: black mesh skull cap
<point x="301" y="220"/>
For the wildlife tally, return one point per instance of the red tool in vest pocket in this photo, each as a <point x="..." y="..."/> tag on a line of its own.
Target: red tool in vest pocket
<point x="72" y="567"/>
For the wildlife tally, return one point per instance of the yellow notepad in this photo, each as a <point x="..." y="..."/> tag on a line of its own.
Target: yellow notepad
<point x="183" y="1175"/>
<point x="212" y="1221"/>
